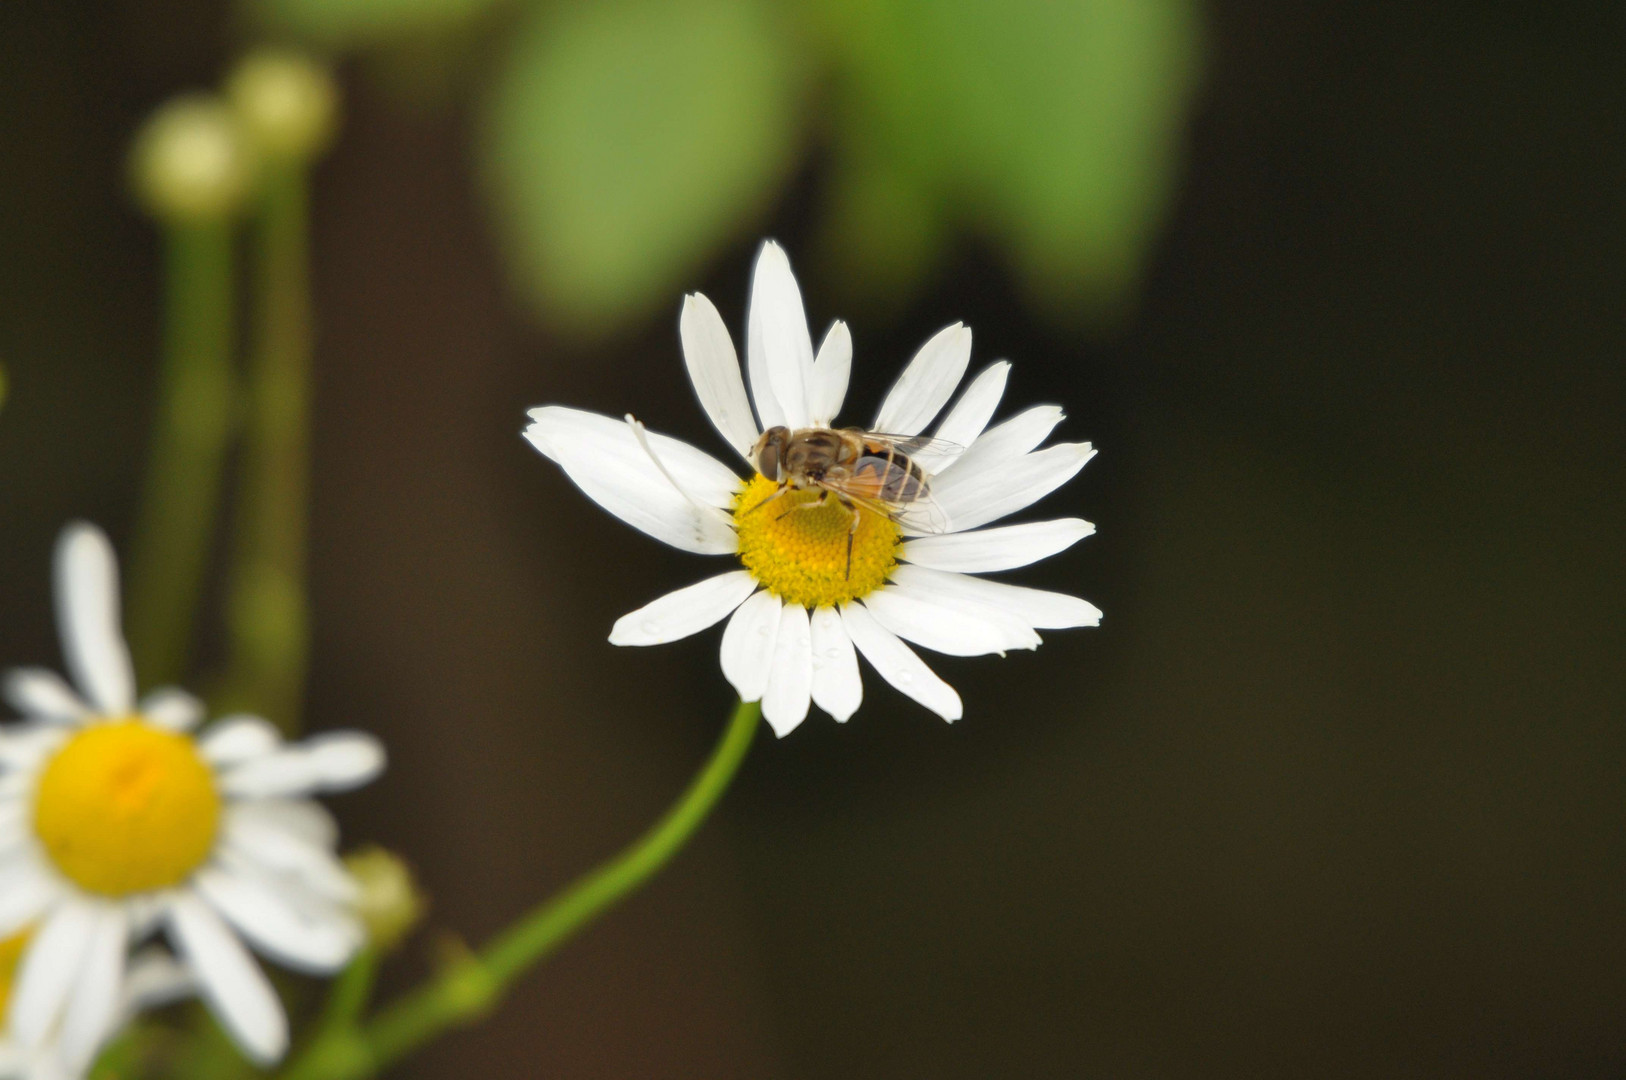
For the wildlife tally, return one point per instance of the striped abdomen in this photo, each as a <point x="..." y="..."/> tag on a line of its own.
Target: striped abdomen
<point x="891" y="474"/>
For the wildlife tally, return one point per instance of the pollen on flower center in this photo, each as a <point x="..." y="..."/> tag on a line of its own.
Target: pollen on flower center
<point x="798" y="549"/>
<point x="126" y="807"/>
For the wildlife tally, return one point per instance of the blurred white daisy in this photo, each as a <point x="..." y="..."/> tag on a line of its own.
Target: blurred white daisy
<point x="116" y="821"/>
<point x="152" y="978"/>
<point x="823" y="579"/>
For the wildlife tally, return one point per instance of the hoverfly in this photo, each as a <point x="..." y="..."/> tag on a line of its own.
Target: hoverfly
<point x="860" y="468"/>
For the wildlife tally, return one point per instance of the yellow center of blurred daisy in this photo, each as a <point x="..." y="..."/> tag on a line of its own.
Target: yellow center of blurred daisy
<point x="126" y="807"/>
<point x="11" y="951"/>
<point x="798" y="549"/>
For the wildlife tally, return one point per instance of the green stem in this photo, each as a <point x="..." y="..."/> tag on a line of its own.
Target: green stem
<point x="182" y="488"/>
<point x="470" y="987"/>
<point x="337" y="1048"/>
<point x="351" y="992"/>
<point x="266" y="607"/>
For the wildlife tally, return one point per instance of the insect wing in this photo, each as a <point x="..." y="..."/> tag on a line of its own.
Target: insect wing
<point x="932" y="455"/>
<point x="924" y="445"/>
<point x="894" y="488"/>
<point x="923" y="517"/>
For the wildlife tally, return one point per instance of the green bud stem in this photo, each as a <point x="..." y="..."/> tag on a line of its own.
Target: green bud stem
<point x="184" y="465"/>
<point x="266" y="607"/>
<point x="471" y="986"/>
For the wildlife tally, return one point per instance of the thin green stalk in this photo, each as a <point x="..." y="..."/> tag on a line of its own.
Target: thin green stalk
<point x="182" y="487"/>
<point x="351" y="992"/>
<point x="336" y="1048"/>
<point x="266" y="607"/>
<point x="471" y="987"/>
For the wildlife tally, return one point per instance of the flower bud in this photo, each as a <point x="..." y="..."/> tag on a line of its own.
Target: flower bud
<point x="387" y="901"/>
<point x="288" y="103"/>
<point x="188" y="162"/>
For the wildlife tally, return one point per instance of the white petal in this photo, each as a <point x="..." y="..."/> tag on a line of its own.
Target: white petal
<point x="25" y="892"/>
<point x="790" y="679"/>
<point x="16" y="844"/>
<point x="336" y="761"/>
<point x="25" y="747"/>
<point x="1004" y="548"/>
<point x="779" y="351"/>
<point x="970" y="414"/>
<point x="289" y="771"/>
<point x="827" y="388"/>
<point x="229" y="980"/>
<point x="748" y="644"/>
<point x="93" y="1008"/>
<point x="154" y="979"/>
<point x="299" y="818"/>
<point x="927" y="383"/>
<point x="345" y="760"/>
<point x="898" y="664"/>
<point x="14" y="785"/>
<point x="714" y="369"/>
<point x="49" y="964"/>
<point x="271" y="846"/>
<point x="602" y="458"/>
<point x="686" y="611"/>
<point x="920" y="617"/>
<point x="87" y="614"/>
<point x="1000" y="445"/>
<point x="1035" y="607"/>
<point x="173" y="708"/>
<point x="576" y="430"/>
<point x="45" y="1063"/>
<point x="276" y="928"/>
<point x="42" y="694"/>
<point x="239" y="737"/>
<point x="992" y="494"/>
<point x="837" y="689"/>
<point x="769" y="414"/>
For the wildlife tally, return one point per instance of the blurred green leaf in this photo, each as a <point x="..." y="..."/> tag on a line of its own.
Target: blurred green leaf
<point x="1052" y="126"/>
<point x="626" y="141"/>
<point x="882" y="233"/>
<point x="359" y="22"/>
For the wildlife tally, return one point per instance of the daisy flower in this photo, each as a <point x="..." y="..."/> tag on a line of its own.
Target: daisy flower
<point x="151" y="979"/>
<point x="117" y="821"/>
<point x="814" y="584"/>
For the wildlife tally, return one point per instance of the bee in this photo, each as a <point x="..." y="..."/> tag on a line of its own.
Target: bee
<point x="859" y="468"/>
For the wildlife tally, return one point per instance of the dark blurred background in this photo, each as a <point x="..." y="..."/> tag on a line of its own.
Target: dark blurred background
<point x="1339" y="786"/>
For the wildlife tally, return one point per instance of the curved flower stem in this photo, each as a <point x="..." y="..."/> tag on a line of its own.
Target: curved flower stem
<point x="266" y="605"/>
<point x="471" y="986"/>
<point x="182" y="485"/>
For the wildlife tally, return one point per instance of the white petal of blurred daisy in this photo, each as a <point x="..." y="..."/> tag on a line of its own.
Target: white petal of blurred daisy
<point x="814" y="584"/>
<point x="152" y="978"/>
<point x="117" y="821"/>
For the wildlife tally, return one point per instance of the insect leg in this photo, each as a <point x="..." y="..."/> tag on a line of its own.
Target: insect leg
<point x="783" y="491"/>
<point x="814" y="504"/>
<point x="852" y="529"/>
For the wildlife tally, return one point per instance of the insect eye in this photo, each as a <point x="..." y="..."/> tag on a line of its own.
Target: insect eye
<point x="768" y="458"/>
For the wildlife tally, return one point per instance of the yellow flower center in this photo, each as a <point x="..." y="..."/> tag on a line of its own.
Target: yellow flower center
<point x="126" y="807"/>
<point x="798" y="548"/>
<point x="11" y="951"/>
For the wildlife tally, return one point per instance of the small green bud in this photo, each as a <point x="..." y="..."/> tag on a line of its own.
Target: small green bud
<point x="188" y="162"/>
<point x="288" y="103"/>
<point x="388" y="900"/>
